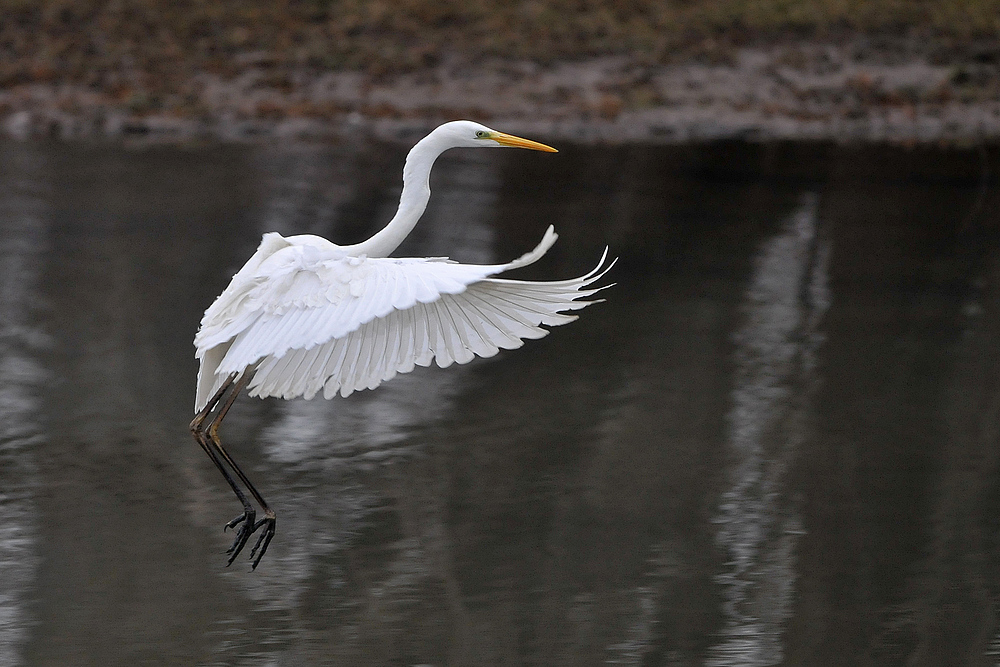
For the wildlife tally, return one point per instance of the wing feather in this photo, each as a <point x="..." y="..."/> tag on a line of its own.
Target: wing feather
<point x="346" y="379"/>
<point x="394" y="358"/>
<point x="300" y="379"/>
<point x="375" y="361"/>
<point x="482" y="343"/>
<point x="504" y="337"/>
<point x="284" y="374"/>
<point x="512" y="320"/>
<point x="283" y="327"/>
<point x="351" y="361"/>
<point x="425" y="293"/>
<point x="315" y="375"/>
<point x="424" y="354"/>
<point x="373" y="292"/>
<point x="330" y="383"/>
<point x="311" y="318"/>
<point x="460" y="345"/>
<point x="530" y="310"/>
<point x="434" y="343"/>
<point x="466" y="333"/>
<point x="408" y="348"/>
<point x="448" y="339"/>
<point x="297" y="384"/>
<point x="288" y="374"/>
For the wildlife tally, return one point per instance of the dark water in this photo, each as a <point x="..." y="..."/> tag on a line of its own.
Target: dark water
<point x="777" y="442"/>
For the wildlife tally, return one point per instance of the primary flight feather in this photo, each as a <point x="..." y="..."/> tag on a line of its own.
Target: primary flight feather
<point x="304" y="315"/>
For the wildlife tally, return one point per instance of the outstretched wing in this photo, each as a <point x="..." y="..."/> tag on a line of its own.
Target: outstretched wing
<point x="312" y="319"/>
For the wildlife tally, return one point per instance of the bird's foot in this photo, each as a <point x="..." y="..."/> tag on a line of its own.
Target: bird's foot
<point x="268" y="522"/>
<point x="246" y="528"/>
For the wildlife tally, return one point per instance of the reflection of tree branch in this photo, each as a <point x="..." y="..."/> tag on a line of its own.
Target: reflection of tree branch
<point x="775" y="384"/>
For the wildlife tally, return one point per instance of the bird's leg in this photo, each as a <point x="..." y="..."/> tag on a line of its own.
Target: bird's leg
<point x="248" y="526"/>
<point x="198" y="430"/>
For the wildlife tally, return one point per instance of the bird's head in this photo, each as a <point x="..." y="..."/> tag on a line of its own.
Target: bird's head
<point x="467" y="134"/>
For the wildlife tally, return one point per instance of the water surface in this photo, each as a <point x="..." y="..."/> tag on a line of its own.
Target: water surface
<point x="776" y="442"/>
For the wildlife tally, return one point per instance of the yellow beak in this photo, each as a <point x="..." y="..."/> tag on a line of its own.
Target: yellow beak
<point x="517" y="142"/>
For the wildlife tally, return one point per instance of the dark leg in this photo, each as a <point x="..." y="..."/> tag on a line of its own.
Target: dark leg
<point x="246" y="523"/>
<point x="201" y="436"/>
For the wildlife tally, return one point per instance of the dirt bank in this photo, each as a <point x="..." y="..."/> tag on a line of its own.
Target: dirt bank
<point x="586" y="70"/>
<point x="799" y="90"/>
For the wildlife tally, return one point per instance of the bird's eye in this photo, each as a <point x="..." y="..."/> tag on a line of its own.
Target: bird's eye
<point x="480" y="134"/>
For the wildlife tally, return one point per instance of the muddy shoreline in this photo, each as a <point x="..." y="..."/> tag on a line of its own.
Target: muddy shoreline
<point x="790" y="91"/>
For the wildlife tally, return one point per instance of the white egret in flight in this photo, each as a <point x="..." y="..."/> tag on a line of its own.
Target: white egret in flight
<point x="304" y="315"/>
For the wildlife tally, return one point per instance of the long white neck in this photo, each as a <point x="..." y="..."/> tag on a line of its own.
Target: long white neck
<point x="412" y="201"/>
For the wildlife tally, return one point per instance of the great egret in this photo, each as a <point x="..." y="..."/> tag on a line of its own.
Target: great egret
<point x="305" y="315"/>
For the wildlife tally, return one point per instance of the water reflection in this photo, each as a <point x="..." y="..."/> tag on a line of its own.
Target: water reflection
<point x="776" y="382"/>
<point x="118" y="487"/>
<point x="23" y="229"/>
<point x="757" y="451"/>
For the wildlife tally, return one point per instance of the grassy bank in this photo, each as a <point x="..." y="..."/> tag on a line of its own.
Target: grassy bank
<point x="160" y="42"/>
<point x="771" y="68"/>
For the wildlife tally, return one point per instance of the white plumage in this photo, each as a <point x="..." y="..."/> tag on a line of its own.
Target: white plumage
<point x="317" y="319"/>
<point x="304" y="315"/>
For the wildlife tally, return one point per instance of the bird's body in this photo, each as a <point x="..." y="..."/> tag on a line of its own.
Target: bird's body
<point x="304" y="315"/>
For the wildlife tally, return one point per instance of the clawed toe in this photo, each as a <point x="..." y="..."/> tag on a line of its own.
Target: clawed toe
<point x="248" y="516"/>
<point x="246" y="528"/>
<point x="246" y="525"/>
<point x="268" y="522"/>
